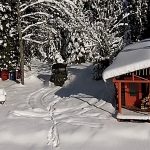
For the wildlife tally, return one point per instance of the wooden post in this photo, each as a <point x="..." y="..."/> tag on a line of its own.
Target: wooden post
<point x="133" y="76"/>
<point x="119" y="97"/>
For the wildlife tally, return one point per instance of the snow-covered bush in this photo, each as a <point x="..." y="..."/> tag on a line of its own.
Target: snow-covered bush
<point x="99" y="67"/>
<point x="2" y="96"/>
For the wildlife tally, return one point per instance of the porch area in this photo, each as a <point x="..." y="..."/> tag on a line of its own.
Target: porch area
<point x="128" y="114"/>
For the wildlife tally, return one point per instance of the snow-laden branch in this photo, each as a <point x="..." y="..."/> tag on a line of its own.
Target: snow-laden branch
<point x="32" y="4"/>
<point x="71" y="3"/>
<point x="67" y="12"/>
<point x="25" y="22"/>
<point x="54" y="1"/>
<point x="59" y="6"/>
<point x="42" y="1"/>
<point x="27" y="36"/>
<point x="123" y="24"/>
<point x="36" y="13"/>
<point x="23" y="5"/>
<point x="116" y="25"/>
<point x="52" y="30"/>
<point x="89" y="30"/>
<point x="32" y="25"/>
<point x="35" y="41"/>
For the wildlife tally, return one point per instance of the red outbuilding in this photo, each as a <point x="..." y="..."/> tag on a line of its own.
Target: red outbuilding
<point x="130" y="72"/>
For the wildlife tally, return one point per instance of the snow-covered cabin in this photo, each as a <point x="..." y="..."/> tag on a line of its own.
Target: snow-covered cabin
<point x="130" y="72"/>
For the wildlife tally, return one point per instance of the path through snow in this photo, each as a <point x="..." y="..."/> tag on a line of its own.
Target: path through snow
<point x="77" y="103"/>
<point x="76" y="116"/>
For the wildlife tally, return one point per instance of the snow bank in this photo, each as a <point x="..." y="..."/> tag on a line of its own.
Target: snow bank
<point x="133" y="117"/>
<point x="2" y="95"/>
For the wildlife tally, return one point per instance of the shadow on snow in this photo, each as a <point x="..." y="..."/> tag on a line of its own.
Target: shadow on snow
<point x="84" y="84"/>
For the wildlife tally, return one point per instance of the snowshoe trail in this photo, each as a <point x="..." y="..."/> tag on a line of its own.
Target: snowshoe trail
<point x="53" y="135"/>
<point x="38" y="99"/>
<point x="37" y="103"/>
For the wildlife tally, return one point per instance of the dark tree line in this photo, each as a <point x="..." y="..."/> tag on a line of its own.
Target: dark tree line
<point x="139" y="19"/>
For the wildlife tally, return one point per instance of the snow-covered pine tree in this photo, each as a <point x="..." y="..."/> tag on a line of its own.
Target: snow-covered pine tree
<point x="145" y="18"/>
<point x="138" y="18"/>
<point x="100" y="28"/>
<point x="9" y="54"/>
<point x="104" y="23"/>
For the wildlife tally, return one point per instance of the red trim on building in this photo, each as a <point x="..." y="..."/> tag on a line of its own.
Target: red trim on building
<point x="133" y="91"/>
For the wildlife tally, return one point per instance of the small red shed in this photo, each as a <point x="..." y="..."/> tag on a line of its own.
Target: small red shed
<point x="130" y="72"/>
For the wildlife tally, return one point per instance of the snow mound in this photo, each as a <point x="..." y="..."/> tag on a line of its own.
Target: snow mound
<point x="32" y="78"/>
<point x="2" y="95"/>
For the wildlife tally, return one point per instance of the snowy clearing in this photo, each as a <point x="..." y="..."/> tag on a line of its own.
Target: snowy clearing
<point x="77" y="116"/>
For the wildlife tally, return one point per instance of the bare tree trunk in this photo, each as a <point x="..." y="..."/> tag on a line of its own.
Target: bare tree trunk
<point x="21" y="50"/>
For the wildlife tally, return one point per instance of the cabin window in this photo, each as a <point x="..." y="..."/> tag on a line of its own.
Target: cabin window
<point x="133" y="89"/>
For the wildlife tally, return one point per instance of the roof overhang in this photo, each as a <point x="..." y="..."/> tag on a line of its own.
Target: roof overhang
<point x="133" y="57"/>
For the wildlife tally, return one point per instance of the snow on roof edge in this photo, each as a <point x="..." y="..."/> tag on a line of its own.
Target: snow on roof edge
<point x="109" y="73"/>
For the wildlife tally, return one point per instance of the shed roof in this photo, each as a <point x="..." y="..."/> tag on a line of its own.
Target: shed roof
<point x="133" y="57"/>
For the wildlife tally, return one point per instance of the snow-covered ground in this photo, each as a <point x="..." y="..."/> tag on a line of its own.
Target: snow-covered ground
<point x="77" y="116"/>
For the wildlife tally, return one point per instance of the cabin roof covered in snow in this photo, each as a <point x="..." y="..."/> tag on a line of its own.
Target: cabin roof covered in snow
<point x="133" y="57"/>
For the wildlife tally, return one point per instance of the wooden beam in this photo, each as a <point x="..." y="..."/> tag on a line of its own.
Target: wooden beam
<point x="119" y="98"/>
<point x="131" y="81"/>
<point x="133" y="76"/>
<point x="141" y="78"/>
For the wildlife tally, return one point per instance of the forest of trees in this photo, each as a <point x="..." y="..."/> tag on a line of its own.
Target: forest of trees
<point x="72" y="31"/>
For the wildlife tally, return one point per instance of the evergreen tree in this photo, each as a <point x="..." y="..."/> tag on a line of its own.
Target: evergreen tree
<point x="138" y="19"/>
<point x="107" y="23"/>
<point x="9" y="54"/>
<point x="146" y="18"/>
<point x="101" y="26"/>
